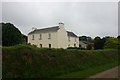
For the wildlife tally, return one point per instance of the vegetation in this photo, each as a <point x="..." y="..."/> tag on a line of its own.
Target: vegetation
<point x="25" y="61"/>
<point x="85" y="38"/>
<point x="28" y="61"/>
<point x="118" y="41"/>
<point x="99" y="43"/>
<point x="11" y="35"/>
<point x="88" y="72"/>
<point x="106" y="42"/>
<point x="24" y="39"/>
<point x="90" y="46"/>
<point x="74" y="48"/>
<point x="111" y="43"/>
<point x="0" y="35"/>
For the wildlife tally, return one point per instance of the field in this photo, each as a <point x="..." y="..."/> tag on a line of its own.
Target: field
<point x="25" y="61"/>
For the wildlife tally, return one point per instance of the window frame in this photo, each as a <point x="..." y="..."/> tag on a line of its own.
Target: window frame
<point x="50" y="46"/>
<point x="40" y="37"/>
<point x="75" y="39"/>
<point x="69" y="38"/>
<point x="33" y="37"/>
<point x="74" y="45"/>
<point x="49" y="35"/>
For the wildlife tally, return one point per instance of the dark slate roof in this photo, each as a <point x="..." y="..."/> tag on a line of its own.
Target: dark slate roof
<point x="83" y="42"/>
<point x="71" y="34"/>
<point x="50" y="29"/>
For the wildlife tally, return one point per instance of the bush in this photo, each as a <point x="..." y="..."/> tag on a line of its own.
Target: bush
<point x="73" y="48"/>
<point x="26" y="61"/>
<point x="89" y="47"/>
<point x="111" y="43"/>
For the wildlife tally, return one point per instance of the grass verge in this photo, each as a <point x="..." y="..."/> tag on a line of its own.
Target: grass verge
<point x="88" y="72"/>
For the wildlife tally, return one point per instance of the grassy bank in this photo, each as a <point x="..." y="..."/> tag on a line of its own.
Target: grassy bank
<point x="30" y="62"/>
<point x="88" y="71"/>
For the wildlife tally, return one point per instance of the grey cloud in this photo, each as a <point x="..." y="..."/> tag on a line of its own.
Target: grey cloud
<point x="86" y="18"/>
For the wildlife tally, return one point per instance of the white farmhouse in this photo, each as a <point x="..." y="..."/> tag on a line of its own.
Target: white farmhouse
<point x="53" y="37"/>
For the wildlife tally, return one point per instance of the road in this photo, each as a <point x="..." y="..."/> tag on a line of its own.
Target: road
<point x="111" y="73"/>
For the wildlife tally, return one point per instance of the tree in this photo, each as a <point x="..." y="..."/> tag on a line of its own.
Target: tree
<point x="10" y="35"/>
<point x="118" y="37"/>
<point x="89" y="46"/>
<point x="118" y="41"/>
<point x="0" y="34"/>
<point x="24" y="38"/>
<point x="85" y="38"/>
<point x="111" y="42"/>
<point x="99" y="43"/>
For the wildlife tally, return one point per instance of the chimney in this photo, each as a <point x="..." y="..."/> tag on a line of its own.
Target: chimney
<point x="34" y="28"/>
<point x="61" y="24"/>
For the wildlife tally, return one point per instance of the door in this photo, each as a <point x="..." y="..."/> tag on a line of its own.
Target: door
<point x="49" y="45"/>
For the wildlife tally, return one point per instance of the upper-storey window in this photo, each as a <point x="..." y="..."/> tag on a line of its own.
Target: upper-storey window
<point x="33" y="37"/>
<point x="68" y="38"/>
<point x="75" y="39"/>
<point x="40" y="37"/>
<point x="49" y="36"/>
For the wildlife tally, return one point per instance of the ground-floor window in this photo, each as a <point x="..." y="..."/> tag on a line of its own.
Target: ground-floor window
<point x="74" y="45"/>
<point x="80" y="46"/>
<point x="40" y="45"/>
<point x="49" y="45"/>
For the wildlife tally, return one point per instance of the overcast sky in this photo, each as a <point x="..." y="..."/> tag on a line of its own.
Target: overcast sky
<point x="83" y="18"/>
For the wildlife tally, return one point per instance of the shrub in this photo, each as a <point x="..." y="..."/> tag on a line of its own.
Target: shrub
<point x="26" y="61"/>
<point x="73" y="48"/>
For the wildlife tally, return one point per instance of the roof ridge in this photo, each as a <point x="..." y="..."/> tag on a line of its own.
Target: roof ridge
<point x="47" y="28"/>
<point x="55" y="28"/>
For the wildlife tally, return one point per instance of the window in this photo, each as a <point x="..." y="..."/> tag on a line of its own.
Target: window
<point x="40" y="45"/>
<point x="80" y="45"/>
<point x="49" y="36"/>
<point x="32" y="37"/>
<point x="49" y="45"/>
<point x="74" y="45"/>
<point x="75" y="39"/>
<point x="40" y="37"/>
<point x="68" y="38"/>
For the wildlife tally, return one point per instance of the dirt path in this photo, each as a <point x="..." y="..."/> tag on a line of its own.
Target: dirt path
<point x="111" y="73"/>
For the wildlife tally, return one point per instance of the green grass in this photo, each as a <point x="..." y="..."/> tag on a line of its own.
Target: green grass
<point x="87" y="72"/>
<point x="25" y="61"/>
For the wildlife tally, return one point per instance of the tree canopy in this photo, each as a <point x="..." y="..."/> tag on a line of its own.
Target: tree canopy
<point x="85" y="38"/>
<point x="111" y="42"/>
<point x="99" y="43"/>
<point x="10" y="35"/>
